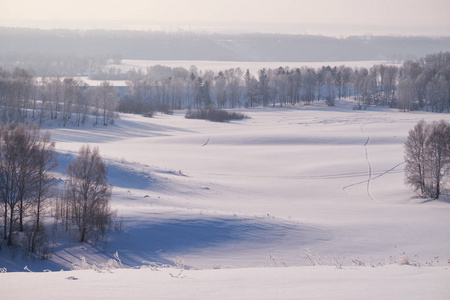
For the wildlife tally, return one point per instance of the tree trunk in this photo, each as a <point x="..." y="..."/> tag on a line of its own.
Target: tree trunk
<point x="11" y="223"/>
<point x="82" y="235"/>
<point x="21" y="215"/>
<point x="38" y="209"/>
<point x="5" y="222"/>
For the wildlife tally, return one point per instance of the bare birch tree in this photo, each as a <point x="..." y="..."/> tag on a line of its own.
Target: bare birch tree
<point x="415" y="156"/>
<point x="427" y="157"/>
<point x="26" y="159"/>
<point x="88" y="194"/>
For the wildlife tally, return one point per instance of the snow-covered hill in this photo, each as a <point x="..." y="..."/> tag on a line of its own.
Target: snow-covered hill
<point x="283" y="187"/>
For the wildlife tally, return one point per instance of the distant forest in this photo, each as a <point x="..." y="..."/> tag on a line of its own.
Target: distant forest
<point x="422" y="84"/>
<point x="82" y="52"/>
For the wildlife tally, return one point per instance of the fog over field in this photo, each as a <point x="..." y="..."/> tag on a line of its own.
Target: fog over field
<point x="36" y="46"/>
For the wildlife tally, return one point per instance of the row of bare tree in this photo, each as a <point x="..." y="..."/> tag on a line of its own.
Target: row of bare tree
<point x="165" y="89"/>
<point x="420" y="84"/>
<point x="68" y="100"/>
<point x="425" y="83"/>
<point x="427" y="157"/>
<point x="27" y="182"/>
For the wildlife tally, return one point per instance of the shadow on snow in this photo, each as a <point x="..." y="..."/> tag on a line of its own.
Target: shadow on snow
<point x="163" y="241"/>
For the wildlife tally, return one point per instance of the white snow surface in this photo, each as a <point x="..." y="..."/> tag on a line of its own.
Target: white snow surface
<point x="236" y="202"/>
<point x="389" y="282"/>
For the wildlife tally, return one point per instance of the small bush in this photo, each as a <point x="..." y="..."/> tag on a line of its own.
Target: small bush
<point x="213" y="114"/>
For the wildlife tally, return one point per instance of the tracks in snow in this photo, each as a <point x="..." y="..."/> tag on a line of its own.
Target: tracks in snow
<point x="369" y="173"/>
<point x="373" y="178"/>
<point x="207" y="142"/>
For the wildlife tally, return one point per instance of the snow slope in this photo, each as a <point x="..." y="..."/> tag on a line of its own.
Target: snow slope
<point x="258" y="192"/>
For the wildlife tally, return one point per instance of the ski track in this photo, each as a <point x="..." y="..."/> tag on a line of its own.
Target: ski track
<point x="370" y="173"/>
<point x="369" y="179"/>
<point x="207" y="142"/>
<point x="306" y="177"/>
<point x="378" y="176"/>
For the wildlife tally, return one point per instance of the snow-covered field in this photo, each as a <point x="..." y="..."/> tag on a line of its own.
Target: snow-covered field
<point x="390" y="282"/>
<point x="236" y="203"/>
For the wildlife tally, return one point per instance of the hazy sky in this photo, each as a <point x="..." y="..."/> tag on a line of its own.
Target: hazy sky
<point x="326" y="17"/>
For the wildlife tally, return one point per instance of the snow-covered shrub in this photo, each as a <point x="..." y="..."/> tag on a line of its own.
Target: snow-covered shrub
<point x="154" y="266"/>
<point x="275" y="262"/>
<point x="179" y="264"/>
<point x="81" y="265"/>
<point x="314" y="259"/>
<point x="358" y="262"/>
<point x="404" y="259"/>
<point x="111" y="264"/>
<point x="311" y="258"/>
<point x="369" y="262"/>
<point x="337" y="261"/>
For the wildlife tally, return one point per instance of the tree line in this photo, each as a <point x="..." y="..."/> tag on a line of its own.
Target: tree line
<point x="423" y="84"/>
<point x="28" y="189"/>
<point x="66" y="100"/>
<point x="420" y="84"/>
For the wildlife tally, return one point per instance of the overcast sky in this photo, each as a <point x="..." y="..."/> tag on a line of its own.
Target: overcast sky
<point x="326" y="17"/>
